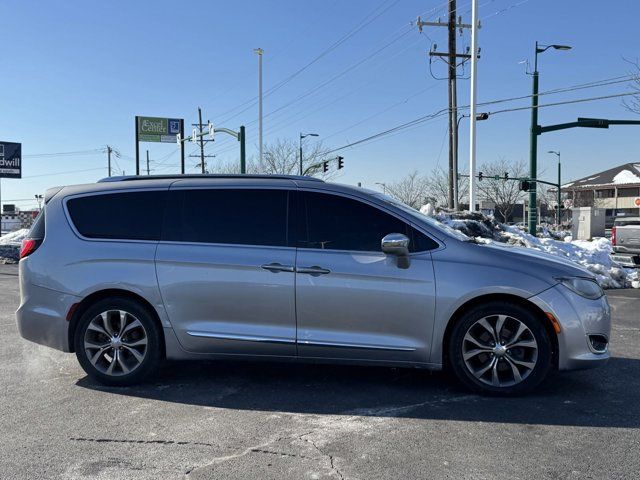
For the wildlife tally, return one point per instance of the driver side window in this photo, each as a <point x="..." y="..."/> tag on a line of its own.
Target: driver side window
<point x="332" y="222"/>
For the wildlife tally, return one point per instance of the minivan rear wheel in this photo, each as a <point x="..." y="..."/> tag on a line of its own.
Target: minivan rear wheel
<point x="500" y="348"/>
<point x="118" y="342"/>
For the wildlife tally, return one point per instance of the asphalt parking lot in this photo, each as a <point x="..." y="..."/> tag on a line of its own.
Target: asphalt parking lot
<point x="288" y="421"/>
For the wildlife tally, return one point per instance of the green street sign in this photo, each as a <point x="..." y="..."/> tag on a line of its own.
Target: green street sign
<point x="156" y="129"/>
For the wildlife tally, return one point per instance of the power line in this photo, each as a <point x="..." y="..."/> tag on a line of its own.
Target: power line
<point x="63" y="154"/>
<point x="365" y="22"/>
<point x="566" y="102"/>
<point x="441" y="112"/>
<point x="65" y="173"/>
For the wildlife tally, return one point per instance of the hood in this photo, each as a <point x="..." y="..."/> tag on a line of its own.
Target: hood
<point x="532" y="258"/>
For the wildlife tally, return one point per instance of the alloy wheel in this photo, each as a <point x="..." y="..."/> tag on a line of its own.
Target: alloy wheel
<point x="499" y="350"/>
<point x="115" y="342"/>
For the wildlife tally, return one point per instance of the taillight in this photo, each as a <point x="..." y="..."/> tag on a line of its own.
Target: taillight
<point x="613" y="235"/>
<point x="29" y="245"/>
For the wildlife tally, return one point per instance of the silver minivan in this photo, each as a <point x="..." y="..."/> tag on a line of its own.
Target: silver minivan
<point x="130" y="271"/>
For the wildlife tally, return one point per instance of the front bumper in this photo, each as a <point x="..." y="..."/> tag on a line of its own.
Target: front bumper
<point x="579" y="318"/>
<point x="42" y="313"/>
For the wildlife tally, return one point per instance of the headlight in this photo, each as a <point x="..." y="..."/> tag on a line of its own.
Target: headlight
<point x="585" y="287"/>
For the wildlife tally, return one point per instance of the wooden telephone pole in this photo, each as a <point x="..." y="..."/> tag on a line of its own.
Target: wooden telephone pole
<point x="451" y="58"/>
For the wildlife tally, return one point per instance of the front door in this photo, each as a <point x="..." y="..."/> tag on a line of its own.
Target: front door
<point x="352" y="300"/>
<point x="226" y="271"/>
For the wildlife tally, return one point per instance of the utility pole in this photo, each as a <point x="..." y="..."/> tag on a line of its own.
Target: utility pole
<point x="109" y="150"/>
<point x="472" y="113"/>
<point x="451" y="58"/>
<point x="148" y="171"/>
<point x="201" y="141"/>
<point x="453" y="108"/>
<point x="259" y="52"/>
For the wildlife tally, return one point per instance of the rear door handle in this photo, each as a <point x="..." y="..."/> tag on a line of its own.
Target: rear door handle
<point x="277" y="267"/>
<point x="314" y="270"/>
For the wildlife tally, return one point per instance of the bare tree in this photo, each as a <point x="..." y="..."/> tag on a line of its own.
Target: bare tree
<point x="411" y="190"/>
<point x="416" y="190"/>
<point x="438" y="187"/>
<point x="503" y="193"/>
<point x="282" y="158"/>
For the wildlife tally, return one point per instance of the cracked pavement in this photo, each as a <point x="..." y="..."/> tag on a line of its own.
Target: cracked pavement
<point x="220" y="420"/>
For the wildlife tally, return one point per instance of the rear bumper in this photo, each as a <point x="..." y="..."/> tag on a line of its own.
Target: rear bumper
<point x="578" y="317"/>
<point x="42" y="313"/>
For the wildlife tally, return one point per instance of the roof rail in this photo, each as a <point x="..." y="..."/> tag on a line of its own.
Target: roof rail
<point x="127" y="178"/>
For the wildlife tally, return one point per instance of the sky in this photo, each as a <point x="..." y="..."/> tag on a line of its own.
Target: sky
<point x="75" y="74"/>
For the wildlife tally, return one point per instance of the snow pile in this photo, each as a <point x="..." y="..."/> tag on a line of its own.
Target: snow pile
<point x="593" y="256"/>
<point x="15" y="237"/>
<point x="10" y="245"/>
<point x="626" y="176"/>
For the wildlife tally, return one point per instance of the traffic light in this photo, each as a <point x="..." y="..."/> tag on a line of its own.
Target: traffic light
<point x="325" y="167"/>
<point x="480" y="176"/>
<point x="506" y="176"/>
<point x="340" y="162"/>
<point x="525" y="185"/>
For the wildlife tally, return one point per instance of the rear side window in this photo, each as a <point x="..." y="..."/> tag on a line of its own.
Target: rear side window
<point x="37" y="229"/>
<point x="125" y="216"/>
<point x="229" y="216"/>
<point x="333" y="222"/>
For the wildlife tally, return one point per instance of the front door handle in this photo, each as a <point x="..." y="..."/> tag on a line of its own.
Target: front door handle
<point x="277" y="267"/>
<point x="314" y="270"/>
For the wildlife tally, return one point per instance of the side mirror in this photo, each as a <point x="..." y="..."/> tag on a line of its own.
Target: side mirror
<point x="397" y="244"/>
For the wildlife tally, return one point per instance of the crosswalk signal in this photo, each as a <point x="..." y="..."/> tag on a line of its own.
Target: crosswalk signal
<point x="340" y="162"/>
<point x="325" y="167"/>
<point x="525" y="185"/>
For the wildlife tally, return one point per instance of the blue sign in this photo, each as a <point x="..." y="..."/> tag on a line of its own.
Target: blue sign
<point x="174" y="126"/>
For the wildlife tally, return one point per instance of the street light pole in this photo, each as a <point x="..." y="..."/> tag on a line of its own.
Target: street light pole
<point x="533" y="150"/>
<point x="384" y="187"/>
<point x="557" y="153"/>
<point x="304" y="135"/>
<point x="472" y="113"/>
<point x="259" y="51"/>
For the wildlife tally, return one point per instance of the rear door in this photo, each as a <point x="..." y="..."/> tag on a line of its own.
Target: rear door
<point x="353" y="302"/>
<point x="225" y="269"/>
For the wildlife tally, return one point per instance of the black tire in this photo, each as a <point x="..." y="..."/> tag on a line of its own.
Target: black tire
<point x="531" y="377"/>
<point x="152" y="353"/>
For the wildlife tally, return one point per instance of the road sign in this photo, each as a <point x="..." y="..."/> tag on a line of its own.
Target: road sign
<point x="156" y="129"/>
<point x="10" y="160"/>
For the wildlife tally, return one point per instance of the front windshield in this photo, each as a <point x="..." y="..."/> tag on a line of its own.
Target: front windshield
<point x="420" y="218"/>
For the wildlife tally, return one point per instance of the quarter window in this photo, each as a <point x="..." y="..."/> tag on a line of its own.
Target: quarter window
<point x="126" y="216"/>
<point x="229" y="216"/>
<point x="333" y="222"/>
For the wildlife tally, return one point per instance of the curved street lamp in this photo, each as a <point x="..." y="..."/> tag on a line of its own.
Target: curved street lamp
<point x="533" y="150"/>
<point x="304" y="135"/>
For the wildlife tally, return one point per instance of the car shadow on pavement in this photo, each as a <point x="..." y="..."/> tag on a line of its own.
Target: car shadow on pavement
<point x="605" y="397"/>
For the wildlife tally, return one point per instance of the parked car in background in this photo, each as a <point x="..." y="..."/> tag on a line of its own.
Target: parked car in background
<point x="132" y="270"/>
<point x="625" y="240"/>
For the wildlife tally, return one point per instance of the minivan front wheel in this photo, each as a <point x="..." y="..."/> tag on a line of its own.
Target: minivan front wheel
<point x="500" y="348"/>
<point x="117" y="342"/>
